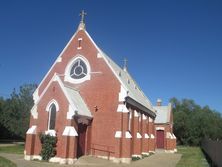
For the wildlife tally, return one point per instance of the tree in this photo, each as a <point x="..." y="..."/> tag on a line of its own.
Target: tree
<point x="16" y="111"/>
<point x="192" y="122"/>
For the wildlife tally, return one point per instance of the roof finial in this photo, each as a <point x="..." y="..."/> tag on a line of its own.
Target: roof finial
<point x="82" y="21"/>
<point x="82" y="14"/>
<point x="125" y="64"/>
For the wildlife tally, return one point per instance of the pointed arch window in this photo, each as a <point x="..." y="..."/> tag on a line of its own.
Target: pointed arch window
<point x="52" y="117"/>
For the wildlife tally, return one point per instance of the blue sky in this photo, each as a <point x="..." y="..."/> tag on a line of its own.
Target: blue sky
<point x="174" y="48"/>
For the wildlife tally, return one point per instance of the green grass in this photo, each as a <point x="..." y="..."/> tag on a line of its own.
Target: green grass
<point x="6" y="163"/>
<point x="191" y="156"/>
<point x="16" y="149"/>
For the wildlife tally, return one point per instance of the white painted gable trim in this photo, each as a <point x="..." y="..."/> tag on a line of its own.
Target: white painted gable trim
<point x="56" y="78"/>
<point x="69" y="131"/>
<point x="101" y="54"/>
<point x="57" y="60"/>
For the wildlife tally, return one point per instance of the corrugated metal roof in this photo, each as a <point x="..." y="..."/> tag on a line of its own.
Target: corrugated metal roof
<point x="134" y="90"/>
<point x="162" y="114"/>
<point x="78" y="102"/>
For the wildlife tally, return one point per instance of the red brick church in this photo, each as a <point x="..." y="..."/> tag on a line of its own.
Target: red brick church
<point x="92" y="106"/>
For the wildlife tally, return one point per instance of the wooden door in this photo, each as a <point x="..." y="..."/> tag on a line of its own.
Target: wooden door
<point x="81" y="140"/>
<point x="160" y="138"/>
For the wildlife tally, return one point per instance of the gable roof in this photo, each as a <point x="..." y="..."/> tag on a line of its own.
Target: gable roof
<point x="124" y="77"/>
<point x="130" y="84"/>
<point x="163" y="114"/>
<point x="74" y="98"/>
<point x="78" y="102"/>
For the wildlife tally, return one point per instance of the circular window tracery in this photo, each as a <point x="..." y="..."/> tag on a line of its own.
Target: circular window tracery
<point x="79" y="69"/>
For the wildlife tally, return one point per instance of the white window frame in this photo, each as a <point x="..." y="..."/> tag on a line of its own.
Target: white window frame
<point x="48" y="109"/>
<point x="69" y="67"/>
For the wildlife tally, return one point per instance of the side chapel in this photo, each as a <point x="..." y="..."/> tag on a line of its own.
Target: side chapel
<point x="92" y="106"/>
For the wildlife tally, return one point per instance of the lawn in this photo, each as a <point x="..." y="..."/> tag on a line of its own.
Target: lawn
<point x="191" y="156"/>
<point x="16" y="149"/>
<point x="6" y="163"/>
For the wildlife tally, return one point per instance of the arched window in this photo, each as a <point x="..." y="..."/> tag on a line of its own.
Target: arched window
<point x="52" y="117"/>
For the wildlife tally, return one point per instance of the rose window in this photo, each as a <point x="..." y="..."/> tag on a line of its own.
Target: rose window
<point x="79" y="69"/>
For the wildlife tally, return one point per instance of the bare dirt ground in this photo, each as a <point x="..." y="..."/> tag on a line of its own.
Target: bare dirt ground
<point x="156" y="160"/>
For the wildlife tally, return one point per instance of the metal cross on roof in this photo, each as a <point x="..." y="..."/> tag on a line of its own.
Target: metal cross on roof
<point x="82" y="14"/>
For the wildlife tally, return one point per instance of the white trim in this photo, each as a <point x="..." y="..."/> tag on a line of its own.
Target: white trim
<point x="128" y="135"/>
<point x="32" y="157"/>
<point x="57" y="79"/>
<point x="146" y="136"/>
<point x="50" y="132"/>
<point x="35" y="95"/>
<point x="55" y="62"/>
<point x="122" y="93"/>
<point x="34" y="112"/>
<point x="122" y="108"/>
<point x="32" y="130"/>
<point x="144" y="117"/>
<point x="69" y="131"/>
<point x="145" y="153"/>
<point x="59" y="59"/>
<point x="118" y="134"/>
<point x="99" y="55"/>
<point x="69" y="67"/>
<point x="48" y="109"/>
<point x="136" y="114"/>
<point x="150" y="119"/>
<point x="53" y="101"/>
<point x="138" y="135"/>
<point x="140" y="117"/>
<point x="122" y="84"/>
<point x="70" y="113"/>
<point x="160" y="128"/>
<point x="61" y="161"/>
<point x="136" y="155"/>
<point x="152" y="136"/>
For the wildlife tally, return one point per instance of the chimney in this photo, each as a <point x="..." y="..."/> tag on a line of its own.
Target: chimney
<point x="159" y="102"/>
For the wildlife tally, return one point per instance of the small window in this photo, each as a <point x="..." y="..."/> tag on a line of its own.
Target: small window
<point x="52" y="117"/>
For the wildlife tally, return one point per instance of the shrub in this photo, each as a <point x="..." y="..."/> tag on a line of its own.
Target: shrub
<point x="135" y="158"/>
<point x="48" y="146"/>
